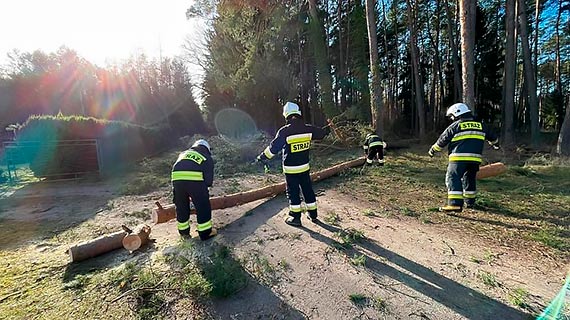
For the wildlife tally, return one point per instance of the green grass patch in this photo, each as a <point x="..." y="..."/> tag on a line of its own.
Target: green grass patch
<point x="284" y="265"/>
<point x="551" y="237"/>
<point x="224" y="273"/>
<point x="195" y="284"/>
<point x="347" y="238"/>
<point x="379" y="304"/>
<point x="358" y="260"/>
<point x="519" y="297"/>
<point x="332" y="218"/>
<point x="522" y="171"/>
<point x="489" y="256"/>
<point x="369" y="213"/>
<point x="408" y="212"/>
<point x="143" y="184"/>
<point x="206" y="271"/>
<point x="78" y="283"/>
<point x="140" y="285"/>
<point x="475" y="259"/>
<point x="488" y="279"/>
<point x="358" y="299"/>
<point x="232" y="186"/>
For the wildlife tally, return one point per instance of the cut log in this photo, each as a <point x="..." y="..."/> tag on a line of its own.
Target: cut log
<point x="491" y="170"/>
<point x="162" y="214"/>
<point x="98" y="246"/>
<point x="137" y="238"/>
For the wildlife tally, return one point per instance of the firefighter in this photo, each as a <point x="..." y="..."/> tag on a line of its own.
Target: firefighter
<point x="294" y="140"/>
<point x="374" y="149"/>
<point x="465" y="138"/>
<point x="192" y="174"/>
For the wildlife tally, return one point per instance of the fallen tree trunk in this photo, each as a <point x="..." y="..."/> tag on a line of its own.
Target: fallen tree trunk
<point x="162" y="214"/>
<point x="137" y="238"/>
<point x="95" y="247"/>
<point x="491" y="170"/>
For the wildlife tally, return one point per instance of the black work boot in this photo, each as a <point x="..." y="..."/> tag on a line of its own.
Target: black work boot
<point x="472" y="205"/>
<point x="185" y="234"/>
<point x="312" y="215"/>
<point x="207" y="234"/>
<point x="294" y="220"/>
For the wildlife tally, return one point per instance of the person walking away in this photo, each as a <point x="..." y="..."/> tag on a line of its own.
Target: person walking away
<point x="191" y="176"/>
<point x="465" y="139"/>
<point x="374" y="149"/>
<point x="294" y="140"/>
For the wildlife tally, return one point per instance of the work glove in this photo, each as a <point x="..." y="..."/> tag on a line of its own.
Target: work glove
<point x="261" y="158"/>
<point x="431" y="152"/>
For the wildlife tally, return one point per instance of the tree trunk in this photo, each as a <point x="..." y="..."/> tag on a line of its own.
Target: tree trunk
<point x="322" y="62"/>
<point x="341" y="64"/>
<point x="98" y="246"/>
<point x="509" y="75"/>
<point x="491" y="170"/>
<point x="418" y="83"/>
<point x="389" y="101"/>
<point x="536" y="25"/>
<point x="137" y="238"/>
<point x="376" y="87"/>
<point x="397" y="62"/>
<point x="563" y="145"/>
<point x="530" y="81"/>
<point x="558" y="68"/>
<point x="166" y="213"/>
<point x="468" y="10"/>
<point x="438" y="90"/>
<point x="457" y="93"/>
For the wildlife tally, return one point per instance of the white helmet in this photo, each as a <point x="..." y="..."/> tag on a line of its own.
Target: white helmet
<point x="291" y="108"/>
<point x="456" y="110"/>
<point x="202" y="142"/>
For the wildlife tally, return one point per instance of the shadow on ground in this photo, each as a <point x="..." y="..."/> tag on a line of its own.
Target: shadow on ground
<point x="45" y="209"/>
<point x="457" y="297"/>
<point x="234" y="294"/>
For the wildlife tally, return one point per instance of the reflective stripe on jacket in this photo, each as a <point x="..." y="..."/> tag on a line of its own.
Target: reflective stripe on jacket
<point x="372" y="141"/>
<point x="466" y="138"/>
<point x="294" y="140"/>
<point x="192" y="165"/>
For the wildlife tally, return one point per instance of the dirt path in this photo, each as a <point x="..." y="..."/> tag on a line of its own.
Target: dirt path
<point x="401" y="269"/>
<point x="412" y="270"/>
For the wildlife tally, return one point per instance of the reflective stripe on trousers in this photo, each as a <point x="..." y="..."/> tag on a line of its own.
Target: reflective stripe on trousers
<point x="183" y="225"/>
<point x="187" y="176"/>
<point x="460" y="180"/>
<point x="204" y="226"/>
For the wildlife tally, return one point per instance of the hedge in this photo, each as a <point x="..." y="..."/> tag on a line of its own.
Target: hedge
<point x="119" y="143"/>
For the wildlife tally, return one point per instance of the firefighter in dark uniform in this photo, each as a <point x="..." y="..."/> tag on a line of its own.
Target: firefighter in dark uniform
<point x="374" y="149"/>
<point x="192" y="174"/>
<point x="294" y="139"/>
<point x="466" y="138"/>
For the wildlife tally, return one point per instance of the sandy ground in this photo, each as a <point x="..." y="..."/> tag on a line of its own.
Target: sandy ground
<point x="412" y="270"/>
